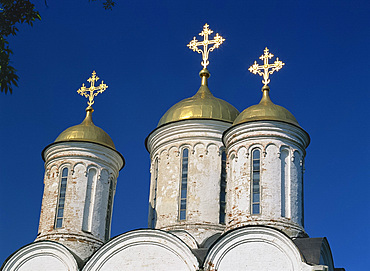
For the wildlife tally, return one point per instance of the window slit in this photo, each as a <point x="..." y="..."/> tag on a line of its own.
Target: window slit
<point x="184" y="184"/>
<point x="223" y="189"/>
<point x="61" y="199"/>
<point x="256" y="178"/>
<point x="154" y="211"/>
<point x="108" y="218"/>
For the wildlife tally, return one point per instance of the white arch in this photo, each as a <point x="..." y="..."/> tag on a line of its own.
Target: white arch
<point x="255" y="248"/>
<point x="42" y="256"/>
<point x="143" y="249"/>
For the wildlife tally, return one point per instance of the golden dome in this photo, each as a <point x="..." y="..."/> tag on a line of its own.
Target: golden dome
<point x="266" y="110"/>
<point x="86" y="131"/>
<point x="203" y="105"/>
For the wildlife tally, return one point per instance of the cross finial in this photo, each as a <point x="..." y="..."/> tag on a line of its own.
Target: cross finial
<point x="217" y="41"/>
<point x="89" y="92"/>
<point x="277" y="65"/>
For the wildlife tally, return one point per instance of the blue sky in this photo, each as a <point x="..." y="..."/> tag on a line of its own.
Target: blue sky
<point x="139" y="50"/>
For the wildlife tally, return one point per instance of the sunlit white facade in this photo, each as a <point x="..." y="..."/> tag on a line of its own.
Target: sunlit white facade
<point x="226" y="193"/>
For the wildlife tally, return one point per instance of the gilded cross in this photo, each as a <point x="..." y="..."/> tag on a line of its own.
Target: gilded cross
<point x="217" y="41"/>
<point x="255" y="68"/>
<point x="89" y="92"/>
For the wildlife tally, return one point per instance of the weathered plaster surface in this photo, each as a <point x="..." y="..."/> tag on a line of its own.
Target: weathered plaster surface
<point x="203" y="139"/>
<point x="282" y="148"/>
<point x="151" y="250"/>
<point x="77" y="234"/>
<point x="42" y="256"/>
<point x="256" y="248"/>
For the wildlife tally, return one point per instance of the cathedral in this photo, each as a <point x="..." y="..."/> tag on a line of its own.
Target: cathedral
<point x="226" y="189"/>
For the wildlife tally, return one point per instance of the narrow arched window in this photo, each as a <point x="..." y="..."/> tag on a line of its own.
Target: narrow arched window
<point x="184" y="184"/>
<point x="108" y="218"/>
<point x="223" y="188"/>
<point x="155" y="181"/>
<point x="256" y="180"/>
<point x="61" y="199"/>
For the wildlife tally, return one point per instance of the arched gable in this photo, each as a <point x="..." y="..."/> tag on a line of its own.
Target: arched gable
<point x="254" y="248"/>
<point x="143" y="249"/>
<point x="41" y="256"/>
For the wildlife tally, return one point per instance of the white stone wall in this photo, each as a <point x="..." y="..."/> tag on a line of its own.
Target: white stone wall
<point x="85" y="209"/>
<point x="41" y="256"/>
<point x="144" y="250"/>
<point x="282" y="147"/>
<point x="203" y="139"/>
<point x="256" y="248"/>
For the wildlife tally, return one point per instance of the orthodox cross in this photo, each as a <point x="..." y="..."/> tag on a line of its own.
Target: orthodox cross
<point x="255" y="68"/>
<point x="89" y="92"/>
<point x="217" y="41"/>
